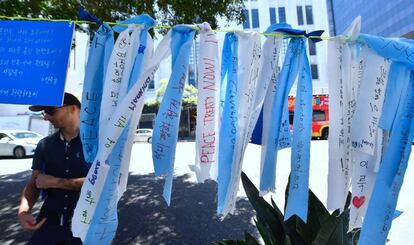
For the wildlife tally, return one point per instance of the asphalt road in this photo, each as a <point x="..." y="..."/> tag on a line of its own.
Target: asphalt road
<point x="144" y="217"/>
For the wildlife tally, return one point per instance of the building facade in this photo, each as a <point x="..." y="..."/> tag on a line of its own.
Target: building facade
<point x="308" y="15"/>
<point x="379" y="17"/>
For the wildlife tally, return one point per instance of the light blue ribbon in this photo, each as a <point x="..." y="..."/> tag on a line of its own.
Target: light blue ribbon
<point x="165" y="132"/>
<point x="105" y="220"/>
<point x="228" y="129"/>
<point x="285" y="138"/>
<point x="396" y="49"/>
<point x="99" y="53"/>
<point x="393" y="94"/>
<point x="286" y="78"/>
<point x="297" y="202"/>
<point x="381" y="208"/>
<point x="226" y="55"/>
<point x="295" y="60"/>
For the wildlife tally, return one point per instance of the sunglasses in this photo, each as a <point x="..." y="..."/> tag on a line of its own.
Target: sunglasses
<point x="51" y="111"/>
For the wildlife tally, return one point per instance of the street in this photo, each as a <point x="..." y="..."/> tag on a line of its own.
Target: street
<point x="144" y="218"/>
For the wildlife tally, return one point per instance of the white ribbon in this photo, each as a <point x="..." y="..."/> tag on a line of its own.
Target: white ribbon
<point x="208" y="114"/>
<point x="270" y="70"/>
<point x="249" y="53"/>
<point x="114" y="76"/>
<point x="132" y="103"/>
<point x="366" y="136"/>
<point x="126" y="155"/>
<point x="343" y="68"/>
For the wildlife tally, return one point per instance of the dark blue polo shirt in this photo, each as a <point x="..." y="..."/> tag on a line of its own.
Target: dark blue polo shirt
<point x="59" y="158"/>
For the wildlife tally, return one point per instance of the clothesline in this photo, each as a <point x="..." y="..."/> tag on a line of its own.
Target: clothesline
<point x="155" y="27"/>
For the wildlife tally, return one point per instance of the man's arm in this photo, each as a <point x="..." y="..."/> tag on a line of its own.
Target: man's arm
<point x="44" y="181"/>
<point x="29" y="198"/>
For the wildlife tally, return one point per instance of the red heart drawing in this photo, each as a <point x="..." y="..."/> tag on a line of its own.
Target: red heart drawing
<point x="358" y="201"/>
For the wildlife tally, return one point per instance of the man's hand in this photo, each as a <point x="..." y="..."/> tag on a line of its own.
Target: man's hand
<point x="44" y="181"/>
<point x="28" y="222"/>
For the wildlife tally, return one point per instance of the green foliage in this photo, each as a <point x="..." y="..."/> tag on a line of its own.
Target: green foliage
<point x="321" y="228"/>
<point x="162" y="86"/>
<point x="189" y="94"/>
<point x="167" y="12"/>
<point x="248" y="240"/>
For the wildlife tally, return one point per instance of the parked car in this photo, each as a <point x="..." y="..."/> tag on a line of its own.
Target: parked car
<point x="143" y="135"/>
<point x="18" y="143"/>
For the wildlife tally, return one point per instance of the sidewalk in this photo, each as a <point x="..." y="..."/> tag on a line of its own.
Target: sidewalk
<point x="144" y="218"/>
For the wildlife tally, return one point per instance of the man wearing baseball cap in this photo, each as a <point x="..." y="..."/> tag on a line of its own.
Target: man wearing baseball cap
<point x="58" y="170"/>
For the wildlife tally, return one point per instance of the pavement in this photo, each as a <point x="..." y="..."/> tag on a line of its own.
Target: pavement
<point x="144" y="217"/>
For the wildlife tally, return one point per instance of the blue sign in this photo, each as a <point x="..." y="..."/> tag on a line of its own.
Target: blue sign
<point x="34" y="57"/>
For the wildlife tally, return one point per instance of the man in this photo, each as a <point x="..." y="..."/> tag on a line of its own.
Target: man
<point x="58" y="171"/>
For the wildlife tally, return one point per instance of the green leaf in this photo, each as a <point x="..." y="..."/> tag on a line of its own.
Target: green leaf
<point x="294" y="235"/>
<point x="229" y="242"/>
<point x="269" y="220"/>
<point x="264" y="233"/>
<point x="250" y="240"/>
<point x="334" y="230"/>
<point x="287" y="241"/>
<point x="328" y="228"/>
<point x="355" y="233"/>
<point x="317" y="215"/>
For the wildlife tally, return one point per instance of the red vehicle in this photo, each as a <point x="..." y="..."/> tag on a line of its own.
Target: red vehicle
<point x="320" y="117"/>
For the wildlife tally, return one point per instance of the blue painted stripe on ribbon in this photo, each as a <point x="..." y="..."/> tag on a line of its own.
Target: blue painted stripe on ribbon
<point x="226" y="55"/>
<point x="397" y="49"/>
<point x="297" y="202"/>
<point x="104" y="223"/>
<point x="257" y="131"/>
<point x="105" y="220"/>
<point x="397" y="214"/>
<point x="99" y="53"/>
<point x="148" y="23"/>
<point x="164" y="139"/>
<point x="285" y="138"/>
<point x="377" y="222"/>
<point x="287" y="29"/>
<point x="278" y="26"/>
<point x="166" y="193"/>
<point x="393" y="92"/>
<point x="286" y="77"/>
<point x="85" y="15"/>
<point x="228" y="129"/>
<point x="381" y="208"/>
<point x="142" y="19"/>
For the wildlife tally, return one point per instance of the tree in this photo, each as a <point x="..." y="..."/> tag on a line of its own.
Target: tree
<point x="166" y="12"/>
<point x="189" y="94"/>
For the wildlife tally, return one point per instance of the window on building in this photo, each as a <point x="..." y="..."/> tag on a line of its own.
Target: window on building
<point x="291" y="117"/>
<point x="255" y="18"/>
<point x="300" y="15"/>
<point x="246" y="23"/>
<point x="272" y="12"/>
<point x="314" y="71"/>
<point x="192" y="77"/>
<point x="318" y="116"/>
<point x="312" y="47"/>
<point x="151" y="84"/>
<point x="282" y="14"/>
<point x="309" y="14"/>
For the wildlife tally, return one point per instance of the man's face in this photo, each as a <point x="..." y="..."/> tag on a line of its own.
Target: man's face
<point x="57" y="115"/>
